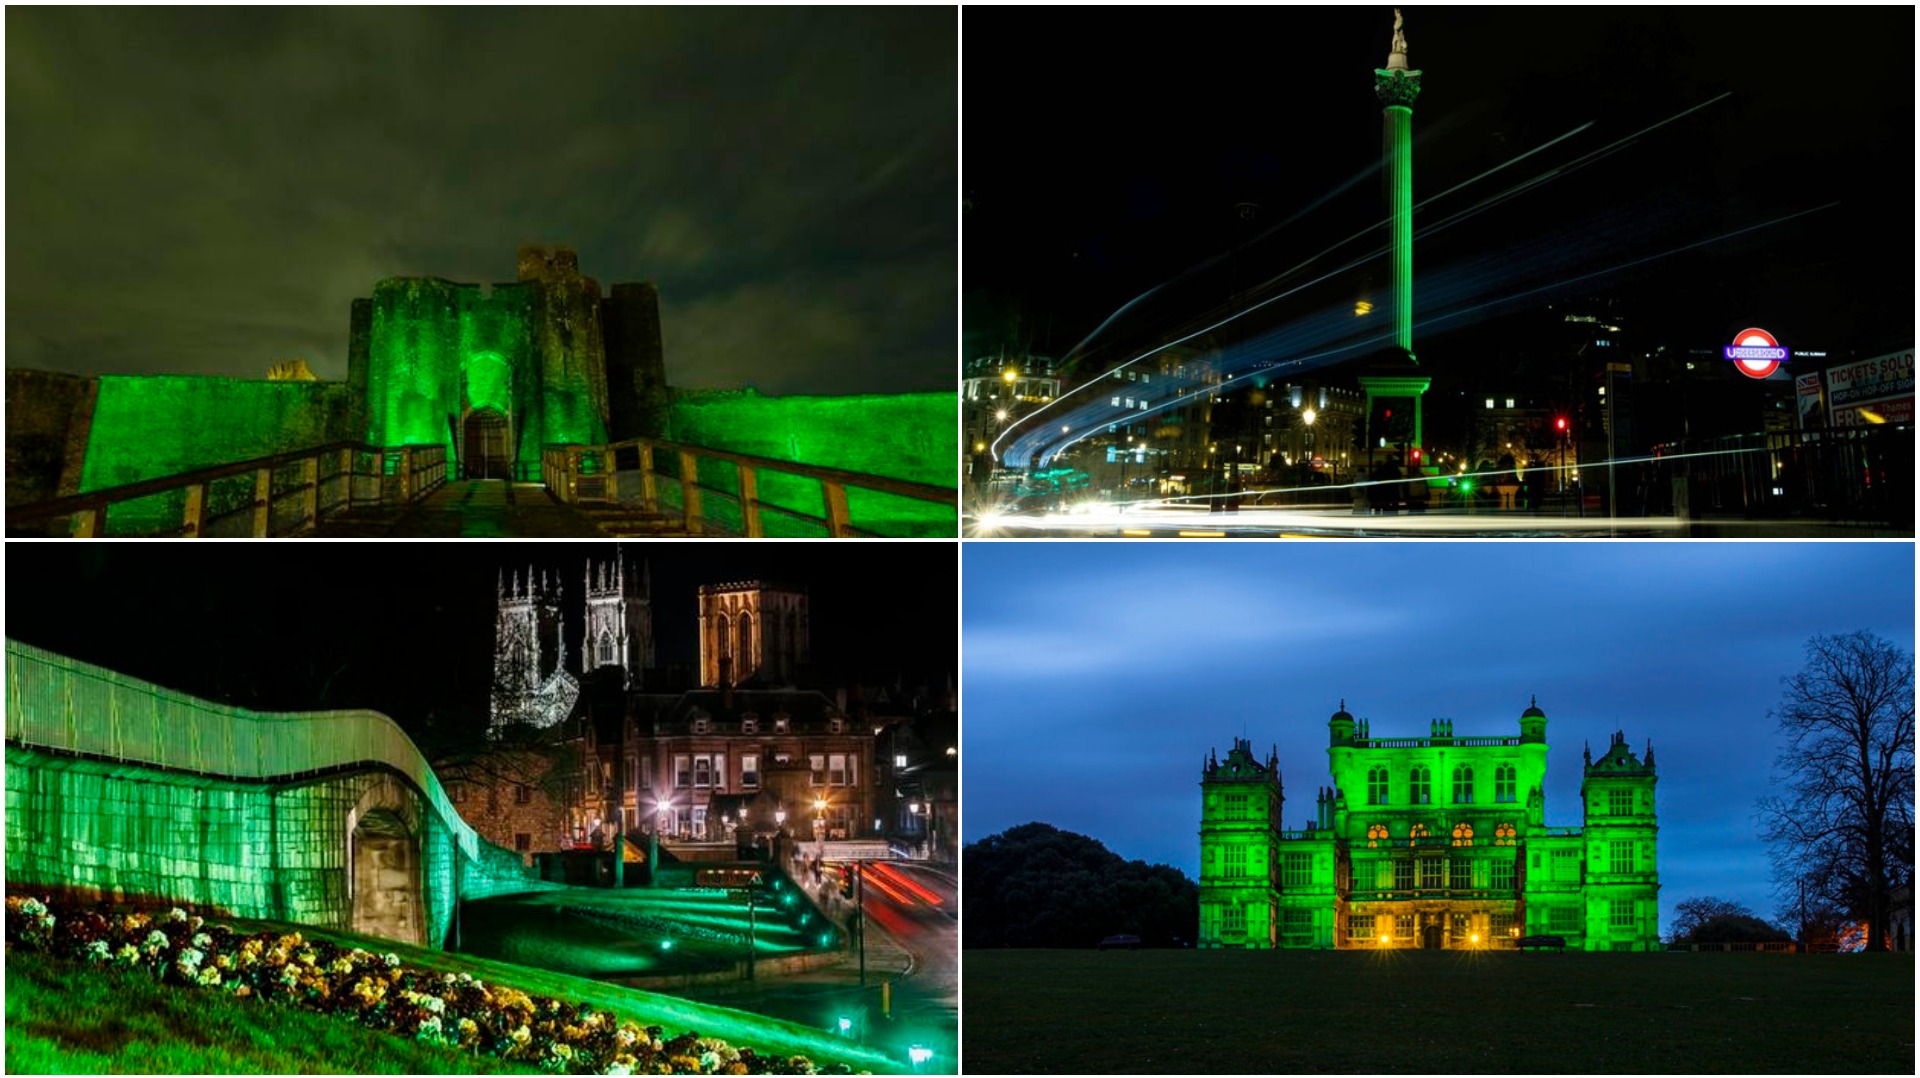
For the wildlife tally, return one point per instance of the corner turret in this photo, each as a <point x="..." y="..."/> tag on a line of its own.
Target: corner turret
<point x="1340" y="727"/>
<point x="1533" y="723"/>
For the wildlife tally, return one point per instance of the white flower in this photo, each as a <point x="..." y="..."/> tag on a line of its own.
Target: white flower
<point x="98" y="951"/>
<point x="32" y="907"/>
<point x="156" y="940"/>
<point x="619" y="1068"/>
<point x="202" y="940"/>
<point x="176" y="914"/>
<point x="190" y="959"/>
<point x="392" y="960"/>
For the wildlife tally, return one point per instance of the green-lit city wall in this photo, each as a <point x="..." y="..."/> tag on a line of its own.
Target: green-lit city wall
<point x="151" y="425"/>
<point x="120" y="788"/>
<point x="912" y="436"/>
<point x="1436" y="841"/>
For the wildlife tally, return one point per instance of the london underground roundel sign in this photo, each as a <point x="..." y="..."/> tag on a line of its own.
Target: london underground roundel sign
<point x="1755" y="353"/>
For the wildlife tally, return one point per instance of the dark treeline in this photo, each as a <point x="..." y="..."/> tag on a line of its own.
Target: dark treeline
<point x="1038" y="886"/>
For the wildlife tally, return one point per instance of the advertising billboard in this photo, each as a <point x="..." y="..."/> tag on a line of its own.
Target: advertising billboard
<point x="1871" y="391"/>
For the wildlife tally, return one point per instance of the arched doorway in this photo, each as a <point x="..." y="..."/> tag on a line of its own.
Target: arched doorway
<point x="486" y="447"/>
<point x="386" y="878"/>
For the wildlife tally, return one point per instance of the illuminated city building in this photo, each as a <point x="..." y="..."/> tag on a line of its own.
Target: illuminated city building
<point x="531" y="684"/>
<point x="1436" y="842"/>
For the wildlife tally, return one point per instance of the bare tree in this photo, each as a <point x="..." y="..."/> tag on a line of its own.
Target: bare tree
<point x="1841" y="827"/>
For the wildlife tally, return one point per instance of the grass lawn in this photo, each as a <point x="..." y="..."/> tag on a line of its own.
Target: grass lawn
<point x="1278" y="1012"/>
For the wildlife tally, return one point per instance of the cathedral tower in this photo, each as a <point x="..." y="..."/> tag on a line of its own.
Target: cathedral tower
<point x="752" y="630"/>
<point x="619" y="619"/>
<point x="531" y="685"/>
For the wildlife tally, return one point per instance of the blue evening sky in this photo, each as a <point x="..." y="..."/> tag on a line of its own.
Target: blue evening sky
<point x="1096" y="676"/>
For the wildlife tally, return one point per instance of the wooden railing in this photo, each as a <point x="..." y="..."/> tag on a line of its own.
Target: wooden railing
<point x="716" y="492"/>
<point x="282" y="495"/>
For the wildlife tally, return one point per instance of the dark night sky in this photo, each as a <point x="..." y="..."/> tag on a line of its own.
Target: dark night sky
<point x="1106" y="153"/>
<point x="1097" y="677"/>
<point x="207" y="191"/>
<point x="407" y="628"/>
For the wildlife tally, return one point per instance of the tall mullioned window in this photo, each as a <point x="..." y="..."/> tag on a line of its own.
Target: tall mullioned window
<point x="1619" y="802"/>
<point x="1620" y="856"/>
<point x="1233" y="920"/>
<point x="1420" y="786"/>
<point x="1295" y="869"/>
<point x="1236" y="860"/>
<point x="1431" y="873"/>
<point x="1236" y="806"/>
<point x="1377" y="786"/>
<point x="1360" y="926"/>
<point x="1621" y="913"/>
<point x="1502" y="877"/>
<point x="1505" y="783"/>
<point x="1463" y="785"/>
<point x="1403" y="875"/>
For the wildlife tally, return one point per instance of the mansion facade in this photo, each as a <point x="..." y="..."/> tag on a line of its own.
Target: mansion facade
<point x="1434" y="842"/>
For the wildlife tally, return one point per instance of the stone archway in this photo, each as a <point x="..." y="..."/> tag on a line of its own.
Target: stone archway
<point x="384" y="852"/>
<point x="486" y="445"/>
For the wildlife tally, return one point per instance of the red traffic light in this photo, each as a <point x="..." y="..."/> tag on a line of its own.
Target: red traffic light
<point x="1416" y="455"/>
<point x="1560" y="423"/>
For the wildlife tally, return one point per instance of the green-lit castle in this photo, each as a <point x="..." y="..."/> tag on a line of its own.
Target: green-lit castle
<point x="1438" y="841"/>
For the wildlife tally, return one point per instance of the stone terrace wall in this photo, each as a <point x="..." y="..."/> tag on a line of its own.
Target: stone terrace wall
<point x="912" y="436"/>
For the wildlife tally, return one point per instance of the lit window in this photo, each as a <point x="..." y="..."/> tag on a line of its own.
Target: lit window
<point x="1419" y="831"/>
<point x="817" y="768"/>
<point x="1360" y="926"/>
<point x="1502" y="924"/>
<point x="750" y="770"/>
<point x="1463" y="834"/>
<point x="1509" y="402"/>
<point x="1489" y="402"/>
<point x="1403" y="925"/>
<point x="702" y="771"/>
<point x="1375" y="834"/>
<point x="1115" y="402"/>
<point x="1459" y="927"/>
<point x="1503" y="835"/>
<point x="899" y="759"/>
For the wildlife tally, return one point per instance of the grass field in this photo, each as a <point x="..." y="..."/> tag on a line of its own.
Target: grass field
<point x="1173" y="1012"/>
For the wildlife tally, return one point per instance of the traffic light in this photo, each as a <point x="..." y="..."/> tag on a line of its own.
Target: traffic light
<point x="1413" y="456"/>
<point x="846" y="881"/>
<point x="1560" y="423"/>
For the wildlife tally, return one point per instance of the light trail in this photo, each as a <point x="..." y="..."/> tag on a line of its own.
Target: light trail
<point x="1035" y="437"/>
<point x="905" y="881"/>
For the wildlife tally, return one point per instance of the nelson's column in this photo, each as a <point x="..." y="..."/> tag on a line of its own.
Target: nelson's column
<point x="1394" y="380"/>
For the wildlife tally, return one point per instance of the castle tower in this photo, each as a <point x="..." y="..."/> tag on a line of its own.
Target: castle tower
<point x="1623" y="888"/>
<point x="1240" y="803"/>
<point x="752" y="630"/>
<point x="531" y="685"/>
<point x="619" y="626"/>
<point x="1395" y="381"/>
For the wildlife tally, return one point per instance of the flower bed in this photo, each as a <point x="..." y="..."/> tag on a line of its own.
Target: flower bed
<point x="378" y="991"/>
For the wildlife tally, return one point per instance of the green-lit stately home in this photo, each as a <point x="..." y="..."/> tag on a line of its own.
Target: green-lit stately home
<point x="1438" y="841"/>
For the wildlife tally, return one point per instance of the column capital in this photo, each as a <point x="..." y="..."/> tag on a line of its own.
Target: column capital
<point x="1396" y="87"/>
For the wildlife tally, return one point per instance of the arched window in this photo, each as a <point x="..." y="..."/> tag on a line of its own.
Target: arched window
<point x="1463" y="785"/>
<point x="1420" y="787"/>
<point x="1419" y="832"/>
<point x="1377" y="786"/>
<point x="747" y="661"/>
<point x="723" y="631"/>
<point x="1375" y="834"/>
<point x="1463" y="834"/>
<point x="605" y="648"/>
<point x="1504" y="781"/>
<point x="1503" y="835"/>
